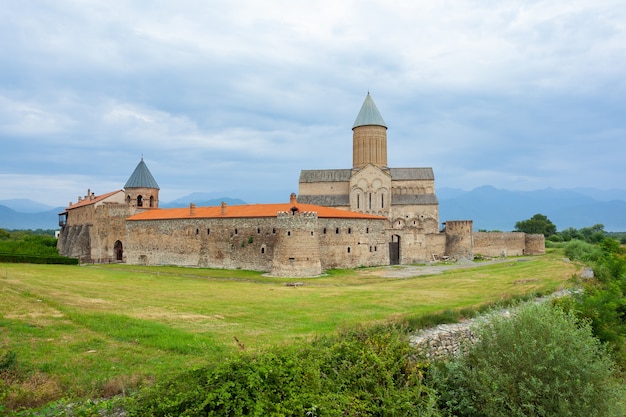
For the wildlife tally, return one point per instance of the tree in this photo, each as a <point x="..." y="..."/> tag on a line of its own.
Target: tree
<point x="538" y="224"/>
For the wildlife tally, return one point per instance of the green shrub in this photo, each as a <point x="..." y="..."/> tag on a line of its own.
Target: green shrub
<point x="360" y="372"/>
<point x="539" y="362"/>
<point x="582" y="251"/>
<point x="33" y="259"/>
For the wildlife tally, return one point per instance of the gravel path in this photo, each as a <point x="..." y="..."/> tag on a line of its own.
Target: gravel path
<point x="407" y="271"/>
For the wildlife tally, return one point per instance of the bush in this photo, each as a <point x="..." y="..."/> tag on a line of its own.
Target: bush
<point x="360" y="372"/>
<point x="540" y="362"/>
<point x="32" y="259"/>
<point x="582" y="251"/>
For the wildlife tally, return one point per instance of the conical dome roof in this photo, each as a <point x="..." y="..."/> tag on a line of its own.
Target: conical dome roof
<point x="141" y="178"/>
<point x="369" y="114"/>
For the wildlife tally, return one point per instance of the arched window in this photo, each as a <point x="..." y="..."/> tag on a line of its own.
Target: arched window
<point x="139" y="201"/>
<point x="151" y="201"/>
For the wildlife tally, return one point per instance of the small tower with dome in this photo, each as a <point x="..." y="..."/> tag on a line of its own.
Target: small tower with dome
<point x="141" y="189"/>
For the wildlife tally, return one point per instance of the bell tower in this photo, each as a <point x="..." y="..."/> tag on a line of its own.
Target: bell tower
<point x="142" y="190"/>
<point x="369" y="137"/>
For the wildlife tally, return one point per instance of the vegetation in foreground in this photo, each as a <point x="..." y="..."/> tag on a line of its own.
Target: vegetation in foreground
<point x="73" y="332"/>
<point x="539" y="362"/>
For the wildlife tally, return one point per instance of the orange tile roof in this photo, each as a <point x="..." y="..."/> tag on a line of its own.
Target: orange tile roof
<point x="249" y="210"/>
<point x="94" y="200"/>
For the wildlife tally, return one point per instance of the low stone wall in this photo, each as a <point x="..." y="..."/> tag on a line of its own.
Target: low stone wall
<point x="444" y="340"/>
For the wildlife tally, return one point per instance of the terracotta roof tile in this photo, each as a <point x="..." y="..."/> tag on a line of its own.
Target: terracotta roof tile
<point x="249" y="210"/>
<point x="87" y="201"/>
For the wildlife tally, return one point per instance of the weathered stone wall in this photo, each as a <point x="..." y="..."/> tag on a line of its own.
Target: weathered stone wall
<point x="108" y="227"/>
<point x="417" y="247"/>
<point x="443" y="341"/>
<point x="413" y="187"/>
<point x="499" y="243"/>
<point x="262" y="244"/>
<point x="423" y="218"/>
<point x="351" y="243"/>
<point x="75" y="242"/>
<point x="216" y="243"/>
<point x="324" y="188"/>
<point x="81" y="215"/>
<point x="297" y="248"/>
<point x="459" y="240"/>
<point x="535" y="244"/>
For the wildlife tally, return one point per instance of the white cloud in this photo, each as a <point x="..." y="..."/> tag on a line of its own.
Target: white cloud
<point x="217" y="93"/>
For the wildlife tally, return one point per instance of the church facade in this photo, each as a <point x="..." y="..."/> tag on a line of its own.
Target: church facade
<point x="366" y="215"/>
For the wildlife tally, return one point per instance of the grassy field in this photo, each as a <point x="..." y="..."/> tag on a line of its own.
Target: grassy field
<point x="94" y="331"/>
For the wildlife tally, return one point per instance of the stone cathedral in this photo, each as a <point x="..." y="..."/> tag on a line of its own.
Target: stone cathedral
<point x="367" y="215"/>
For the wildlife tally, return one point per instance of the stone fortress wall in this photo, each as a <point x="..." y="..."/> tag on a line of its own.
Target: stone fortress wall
<point x="508" y="244"/>
<point x="287" y="245"/>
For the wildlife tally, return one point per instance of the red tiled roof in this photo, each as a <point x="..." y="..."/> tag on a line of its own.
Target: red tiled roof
<point x="249" y="210"/>
<point x="87" y="201"/>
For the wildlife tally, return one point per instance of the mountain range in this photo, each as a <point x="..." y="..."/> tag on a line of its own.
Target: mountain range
<point x="490" y="208"/>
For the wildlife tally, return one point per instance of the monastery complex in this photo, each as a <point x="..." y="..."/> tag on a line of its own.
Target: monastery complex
<point x="367" y="215"/>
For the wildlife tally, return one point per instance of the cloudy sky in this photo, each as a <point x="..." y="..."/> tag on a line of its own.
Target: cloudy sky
<point x="239" y="96"/>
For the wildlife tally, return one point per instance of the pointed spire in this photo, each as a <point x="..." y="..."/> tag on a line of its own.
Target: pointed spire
<point x="369" y="114"/>
<point x="141" y="177"/>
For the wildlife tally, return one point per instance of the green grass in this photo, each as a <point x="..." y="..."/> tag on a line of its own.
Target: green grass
<point x="101" y="330"/>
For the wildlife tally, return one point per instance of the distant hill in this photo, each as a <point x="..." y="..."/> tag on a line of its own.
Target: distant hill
<point x="496" y="209"/>
<point x="14" y="220"/>
<point x="202" y="200"/>
<point x="24" y="205"/>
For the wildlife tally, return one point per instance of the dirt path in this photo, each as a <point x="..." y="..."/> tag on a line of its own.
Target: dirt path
<point x="407" y="271"/>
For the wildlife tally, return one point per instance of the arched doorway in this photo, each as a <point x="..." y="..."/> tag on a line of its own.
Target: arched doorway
<point x="394" y="250"/>
<point x="119" y="251"/>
